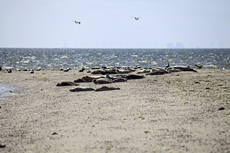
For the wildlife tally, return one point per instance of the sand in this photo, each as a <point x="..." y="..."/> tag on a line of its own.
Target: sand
<point x="177" y="112"/>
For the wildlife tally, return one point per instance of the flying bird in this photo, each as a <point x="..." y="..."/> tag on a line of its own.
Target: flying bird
<point x="137" y="18"/>
<point x="77" y="22"/>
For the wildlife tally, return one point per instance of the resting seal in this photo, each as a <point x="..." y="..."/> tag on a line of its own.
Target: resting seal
<point x="134" y="76"/>
<point x="9" y="70"/>
<point x="91" y="78"/>
<point x="120" y="80"/>
<point x="124" y="71"/>
<point x="66" y="83"/>
<point x="103" y="72"/>
<point x="102" y="81"/>
<point x="78" y="81"/>
<point x="82" y="69"/>
<point x="81" y="89"/>
<point x="105" y="88"/>
<point x="157" y="71"/>
<point x="167" y="66"/>
<point x="198" y="66"/>
<point x="32" y="71"/>
<point x="143" y="71"/>
<point x="182" y="68"/>
<point x="116" y="79"/>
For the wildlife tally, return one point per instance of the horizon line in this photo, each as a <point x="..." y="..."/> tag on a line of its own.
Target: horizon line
<point x="103" y="48"/>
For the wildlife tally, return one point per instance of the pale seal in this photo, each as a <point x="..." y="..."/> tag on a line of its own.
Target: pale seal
<point x="157" y="71"/>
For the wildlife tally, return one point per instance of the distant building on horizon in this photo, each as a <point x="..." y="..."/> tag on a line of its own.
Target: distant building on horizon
<point x="65" y="46"/>
<point x="179" y="45"/>
<point x="170" y="45"/>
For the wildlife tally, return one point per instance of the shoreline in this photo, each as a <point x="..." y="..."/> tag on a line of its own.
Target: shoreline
<point x="176" y="112"/>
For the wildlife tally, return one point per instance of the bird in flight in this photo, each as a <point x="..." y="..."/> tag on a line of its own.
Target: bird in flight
<point x="137" y="18"/>
<point x="77" y="22"/>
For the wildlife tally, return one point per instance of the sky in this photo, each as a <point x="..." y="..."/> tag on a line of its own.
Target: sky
<point x="111" y="24"/>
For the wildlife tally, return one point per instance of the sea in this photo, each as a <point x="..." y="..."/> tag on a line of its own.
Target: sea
<point x="73" y="58"/>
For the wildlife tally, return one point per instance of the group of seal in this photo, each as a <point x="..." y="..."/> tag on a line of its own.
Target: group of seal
<point x="108" y="76"/>
<point x="80" y="88"/>
<point x="103" y="88"/>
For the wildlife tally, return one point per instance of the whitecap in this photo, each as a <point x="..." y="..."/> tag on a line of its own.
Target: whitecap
<point x="142" y="61"/>
<point x="26" y="61"/>
<point x="154" y="63"/>
<point x="64" y="57"/>
<point x="210" y="66"/>
<point x="89" y="63"/>
<point x="8" y="67"/>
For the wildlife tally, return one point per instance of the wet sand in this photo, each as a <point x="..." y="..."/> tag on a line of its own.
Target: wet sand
<point x="177" y="112"/>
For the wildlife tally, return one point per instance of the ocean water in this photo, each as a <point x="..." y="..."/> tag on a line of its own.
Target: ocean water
<point x="47" y="58"/>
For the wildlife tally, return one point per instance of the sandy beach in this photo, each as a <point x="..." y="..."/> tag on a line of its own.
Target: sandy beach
<point x="176" y="112"/>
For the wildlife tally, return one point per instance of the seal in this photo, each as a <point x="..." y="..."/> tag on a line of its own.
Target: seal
<point x="81" y="89"/>
<point x="120" y="80"/>
<point x="198" y="66"/>
<point x="66" y="70"/>
<point x="105" y="88"/>
<point x="123" y="71"/>
<point x="116" y="79"/>
<point x="9" y="70"/>
<point x="143" y="71"/>
<point x="91" y="78"/>
<point x="66" y="83"/>
<point x="134" y="76"/>
<point x="102" y="81"/>
<point x="167" y="66"/>
<point x="99" y="71"/>
<point x="104" y="71"/>
<point x="82" y="69"/>
<point x="32" y="71"/>
<point x="183" y="68"/>
<point x="78" y="81"/>
<point x="157" y="71"/>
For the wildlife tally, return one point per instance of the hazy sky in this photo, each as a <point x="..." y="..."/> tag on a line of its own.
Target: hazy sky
<point x="110" y="23"/>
